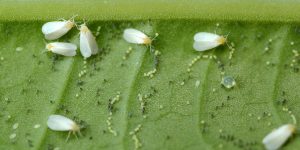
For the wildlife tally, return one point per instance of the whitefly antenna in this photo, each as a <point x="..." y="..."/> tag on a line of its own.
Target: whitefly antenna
<point x="156" y="35"/>
<point x="73" y="20"/>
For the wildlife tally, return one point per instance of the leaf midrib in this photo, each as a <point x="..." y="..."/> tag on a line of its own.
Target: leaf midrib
<point x="58" y="102"/>
<point x="131" y="90"/>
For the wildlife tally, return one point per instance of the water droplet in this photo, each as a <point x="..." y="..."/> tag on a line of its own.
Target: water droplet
<point x="228" y="82"/>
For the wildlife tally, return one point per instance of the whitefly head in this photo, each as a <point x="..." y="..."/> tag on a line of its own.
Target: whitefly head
<point x="83" y="28"/>
<point x="49" y="46"/>
<point x="278" y="137"/>
<point x="136" y="37"/>
<point x="70" y="24"/>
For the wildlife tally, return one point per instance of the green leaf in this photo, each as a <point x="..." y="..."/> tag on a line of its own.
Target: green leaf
<point x="184" y="110"/>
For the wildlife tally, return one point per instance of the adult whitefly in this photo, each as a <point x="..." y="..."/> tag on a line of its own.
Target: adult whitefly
<point x="278" y="137"/>
<point x="88" y="44"/>
<point x="136" y="37"/>
<point x="205" y="41"/>
<point x="62" y="123"/>
<point x="56" y="29"/>
<point x="65" y="49"/>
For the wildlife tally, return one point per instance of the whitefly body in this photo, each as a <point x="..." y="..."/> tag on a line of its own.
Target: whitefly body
<point x="62" y="123"/>
<point x="88" y="44"/>
<point x="205" y="41"/>
<point x="56" y="29"/>
<point x="136" y="37"/>
<point x="66" y="49"/>
<point x="278" y="137"/>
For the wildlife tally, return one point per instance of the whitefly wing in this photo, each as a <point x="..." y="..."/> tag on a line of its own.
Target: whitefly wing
<point x="134" y="36"/>
<point x="203" y="46"/>
<point x="205" y="36"/>
<point x="66" y="49"/>
<point x="60" y="123"/>
<point x="205" y="41"/>
<point x="92" y="42"/>
<point x="85" y="48"/>
<point x="278" y="137"/>
<point x="56" y="29"/>
<point x="54" y="26"/>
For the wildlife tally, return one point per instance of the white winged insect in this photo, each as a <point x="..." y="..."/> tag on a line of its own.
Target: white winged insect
<point x="56" y="29"/>
<point x="66" y="49"/>
<point x="88" y="44"/>
<point x="138" y="37"/>
<point x="61" y="123"/>
<point x="205" y="41"/>
<point x="279" y="136"/>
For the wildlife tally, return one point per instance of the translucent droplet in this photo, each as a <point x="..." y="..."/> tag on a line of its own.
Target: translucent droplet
<point x="228" y="82"/>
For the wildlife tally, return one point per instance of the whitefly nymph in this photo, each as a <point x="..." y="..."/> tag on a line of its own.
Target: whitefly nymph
<point x="279" y="136"/>
<point x="205" y="41"/>
<point x="61" y="48"/>
<point x="56" y="29"/>
<point x="62" y="123"/>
